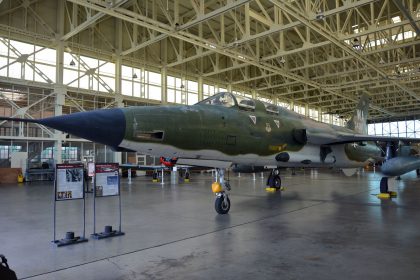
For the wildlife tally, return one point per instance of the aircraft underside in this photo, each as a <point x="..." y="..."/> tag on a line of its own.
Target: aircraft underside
<point x="309" y="156"/>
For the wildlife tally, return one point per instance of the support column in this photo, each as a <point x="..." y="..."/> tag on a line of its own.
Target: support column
<point x="229" y="88"/>
<point x="118" y="99"/>
<point x="118" y="81"/>
<point x="59" y="88"/>
<point x="60" y="93"/>
<point x="320" y="114"/>
<point x="164" y="92"/>
<point x="200" y="88"/>
<point x="254" y="94"/>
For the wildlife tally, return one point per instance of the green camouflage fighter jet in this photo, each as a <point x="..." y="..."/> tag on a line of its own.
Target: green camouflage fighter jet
<point x="248" y="135"/>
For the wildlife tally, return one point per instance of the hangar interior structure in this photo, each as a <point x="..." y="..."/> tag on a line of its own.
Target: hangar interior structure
<point x="313" y="57"/>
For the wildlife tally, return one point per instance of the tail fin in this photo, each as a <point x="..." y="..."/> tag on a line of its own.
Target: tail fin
<point x="358" y="121"/>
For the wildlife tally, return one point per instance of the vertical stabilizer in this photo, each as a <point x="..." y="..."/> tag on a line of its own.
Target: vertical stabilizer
<point x="358" y="121"/>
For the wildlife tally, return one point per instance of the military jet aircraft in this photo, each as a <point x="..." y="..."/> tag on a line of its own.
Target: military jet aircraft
<point x="228" y="130"/>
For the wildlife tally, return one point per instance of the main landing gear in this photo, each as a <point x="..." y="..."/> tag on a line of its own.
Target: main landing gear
<point x="220" y="188"/>
<point x="383" y="188"/>
<point x="274" y="180"/>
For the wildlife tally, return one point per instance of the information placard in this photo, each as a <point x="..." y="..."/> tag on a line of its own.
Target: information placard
<point x="107" y="180"/>
<point x="91" y="169"/>
<point x="69" y="181"/>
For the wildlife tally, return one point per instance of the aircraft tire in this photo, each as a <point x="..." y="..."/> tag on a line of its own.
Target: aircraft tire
<point x="222" y="204"/>
<point x="383" y="186"/>
<point x="418" y="172"/>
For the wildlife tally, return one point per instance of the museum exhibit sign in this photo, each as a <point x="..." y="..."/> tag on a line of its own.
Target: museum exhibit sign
<point x="69" y="185"/>
<point x="106" y="184"/>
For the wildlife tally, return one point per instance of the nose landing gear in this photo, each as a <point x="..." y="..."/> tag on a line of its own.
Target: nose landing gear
<point x="220" y="188"/>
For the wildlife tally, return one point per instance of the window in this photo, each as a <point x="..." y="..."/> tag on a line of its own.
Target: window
<point x="299" y="109"/>
<point x="245" y="103"/>
<point x="313" y="114"/>
<point x="408" y="128"/>
<point x="192" y="92"/>
<point x="175" y="90"/>
<point x="27" y="61"/>
<point x="222" y="99"/>
<point x="264" y="99"/>
<point x="271" y="109"/>
<point x="284" y="105"/>
<point x="326" y="118"/>
<point x="208" y="90"/>
<point x="89" y="73"/>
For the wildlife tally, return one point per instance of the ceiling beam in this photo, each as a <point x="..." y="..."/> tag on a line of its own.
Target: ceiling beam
<point x="198" y="20"/>
<point x="320" y="29"/>
<point x="89" y="21"/>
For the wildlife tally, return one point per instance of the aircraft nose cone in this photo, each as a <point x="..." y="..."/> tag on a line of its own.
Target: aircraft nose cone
<point x="102" y="126"/>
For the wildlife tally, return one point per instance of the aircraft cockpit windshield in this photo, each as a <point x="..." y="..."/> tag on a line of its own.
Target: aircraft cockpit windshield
<point x="225" y="99"/>
<point x="271" y="109"/>
<point x="245" y="103"/>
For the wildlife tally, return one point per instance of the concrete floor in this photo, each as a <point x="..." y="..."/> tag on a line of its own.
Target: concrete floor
<point x="324" y="226"/>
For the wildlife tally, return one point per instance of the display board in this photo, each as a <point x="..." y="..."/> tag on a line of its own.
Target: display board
<point x="107" y="180"/>
<point x="91" y="169"/>
<point x="69" y="181"/>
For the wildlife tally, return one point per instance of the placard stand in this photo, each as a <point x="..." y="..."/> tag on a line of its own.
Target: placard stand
<point x="107" y="183"/>
<point x="90" y="175"/>
<point x="69" y="185"/>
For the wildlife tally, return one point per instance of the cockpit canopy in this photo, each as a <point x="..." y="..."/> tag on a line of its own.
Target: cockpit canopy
<point x="225" y="99"/>
<point x="228" y="99"/>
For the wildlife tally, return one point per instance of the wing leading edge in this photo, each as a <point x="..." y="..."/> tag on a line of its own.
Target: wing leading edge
<point x="343" y="137"/>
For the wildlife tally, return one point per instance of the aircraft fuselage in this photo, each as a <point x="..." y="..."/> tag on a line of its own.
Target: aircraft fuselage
<point x="203" y="132"/>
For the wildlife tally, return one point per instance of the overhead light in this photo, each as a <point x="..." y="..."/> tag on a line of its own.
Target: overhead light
<point x="182" y="86"/>
<point x="320" y="15"/>
<point x="356" y="44"/>
<point x="282" y="60"/>
<point x="381" y="61"/>
<point x="135" y="76"/>
<point x="396" y="19"/>
<point x="72" y="63"/>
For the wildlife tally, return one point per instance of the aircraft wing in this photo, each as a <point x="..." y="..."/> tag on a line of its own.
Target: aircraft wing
<point x="141" y="167"/>
<point x="342" y="138"/>
<point x="205" y="163"/>
<point x="152" y="167"/>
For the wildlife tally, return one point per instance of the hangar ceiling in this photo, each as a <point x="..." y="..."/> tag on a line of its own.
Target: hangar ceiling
<point x="322" y="53"/>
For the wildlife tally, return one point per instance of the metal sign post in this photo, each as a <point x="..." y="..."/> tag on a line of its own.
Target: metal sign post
<point x="162" y="182"/>
<point x="107" y="183"/>
<point x="69" y="185"/>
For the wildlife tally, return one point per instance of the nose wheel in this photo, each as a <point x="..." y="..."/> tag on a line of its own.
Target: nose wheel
<point x="222" y="204"/>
